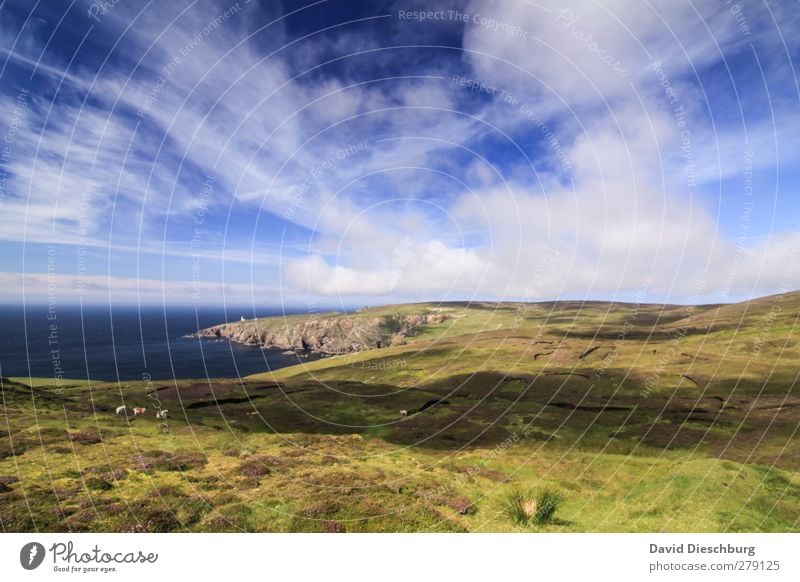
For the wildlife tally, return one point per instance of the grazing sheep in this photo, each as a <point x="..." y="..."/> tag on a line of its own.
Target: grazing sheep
<point x="162" y="414"/>
<point x="122" y="410"/>
<point x="404" y="413"/>
<point x="139" y="411"/>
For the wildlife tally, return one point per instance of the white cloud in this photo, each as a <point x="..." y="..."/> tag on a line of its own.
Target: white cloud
<point x="59" y="288"/>
<point x="607" y="191"/>
<point x="410" y="269"/>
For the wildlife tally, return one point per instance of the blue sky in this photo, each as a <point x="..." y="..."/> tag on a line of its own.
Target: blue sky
<point x="346" y="153"/>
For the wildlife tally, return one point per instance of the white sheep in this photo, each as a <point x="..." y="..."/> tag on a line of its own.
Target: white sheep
<point x="162" y="414"/>
<point x="404" y="412"/>
<point x="122" y="410"/>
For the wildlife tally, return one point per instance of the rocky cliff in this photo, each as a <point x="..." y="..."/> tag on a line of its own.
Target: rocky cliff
<point x="331" y="334"/>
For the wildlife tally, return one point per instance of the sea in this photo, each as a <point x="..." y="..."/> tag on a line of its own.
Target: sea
<point x="127" y="343"/>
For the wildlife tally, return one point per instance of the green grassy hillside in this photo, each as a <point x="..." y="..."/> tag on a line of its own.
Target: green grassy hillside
<point x="635" y="418"/>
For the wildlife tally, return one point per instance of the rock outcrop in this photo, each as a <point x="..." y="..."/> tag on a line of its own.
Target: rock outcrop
<point x="327" y="335"/>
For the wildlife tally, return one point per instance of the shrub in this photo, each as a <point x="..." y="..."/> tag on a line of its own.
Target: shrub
<point x="165" y="491"/>
<point x="461" y="505"/>
<point x="254" y="469"/>
<point x="116" y="475"/>
<point x="85" y="438"/>
<point x="329" y="526"/>
<point x="160" y="521"/>
<point x="321" y="508"/>
<point x="328" y="460"/>
<point x="220" y="523"/>
<point x="98" y="484"/>
<point x="166" y="461"/>
<point x="81" y="520"/>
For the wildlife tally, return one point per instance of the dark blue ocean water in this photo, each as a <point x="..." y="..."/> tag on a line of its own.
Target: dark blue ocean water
<point x="127" y="343"/>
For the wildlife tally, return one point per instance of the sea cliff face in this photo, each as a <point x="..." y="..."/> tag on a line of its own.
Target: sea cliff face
<point x="330" y="334"/>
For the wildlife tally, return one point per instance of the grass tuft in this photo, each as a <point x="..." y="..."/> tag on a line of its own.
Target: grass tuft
<point x="514" y="507"/>
<point x="547" y="503"/>
<point x="522" y="508"/>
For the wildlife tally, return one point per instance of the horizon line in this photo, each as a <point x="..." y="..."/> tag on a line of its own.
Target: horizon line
<point x="321" y="308"/>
